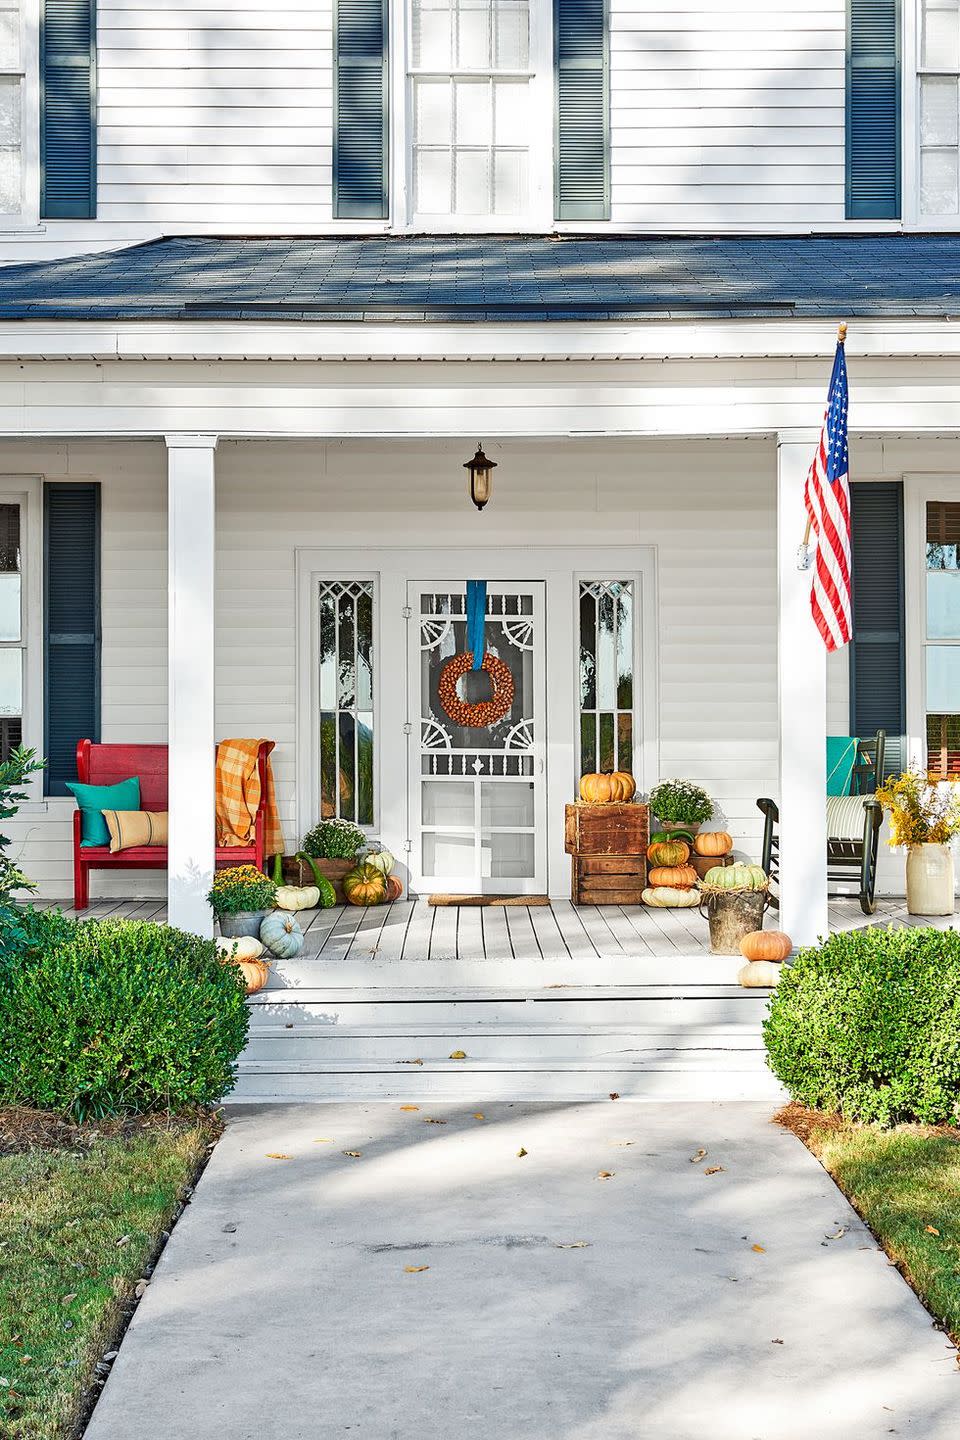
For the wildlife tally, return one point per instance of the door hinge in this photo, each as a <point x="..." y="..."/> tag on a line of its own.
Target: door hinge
<point x="406" y="612"/>
<point x="408" y="728"/>
<point x="408" y="845"/>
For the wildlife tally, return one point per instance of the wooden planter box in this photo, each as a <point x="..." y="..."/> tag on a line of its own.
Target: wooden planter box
<point x="298" y="872"/>
<point x="608" y="845"/>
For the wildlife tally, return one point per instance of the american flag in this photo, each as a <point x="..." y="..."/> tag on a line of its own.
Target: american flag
<point x="827" y="498"/>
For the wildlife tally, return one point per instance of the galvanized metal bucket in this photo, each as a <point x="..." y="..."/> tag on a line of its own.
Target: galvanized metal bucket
<point x="731" y="915"/>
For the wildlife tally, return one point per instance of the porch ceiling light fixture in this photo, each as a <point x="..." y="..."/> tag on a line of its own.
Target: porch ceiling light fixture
<point x="481" y="477"/>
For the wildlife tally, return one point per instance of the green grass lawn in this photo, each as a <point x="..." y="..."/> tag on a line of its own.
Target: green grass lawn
<point x="81" y="1214"/>
<point x="905" y="1183"/>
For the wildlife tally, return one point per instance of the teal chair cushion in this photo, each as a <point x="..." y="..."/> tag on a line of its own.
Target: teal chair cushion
<point x="94" y="799"/>
<point x="841" y="759"/>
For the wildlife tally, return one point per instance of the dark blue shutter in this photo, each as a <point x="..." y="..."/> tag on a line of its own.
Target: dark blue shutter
<point x="878" y="699"/>
<point x="360" y="129"/>
<point x="873" y="109"/>
<point x="68" y="110"/>
<point x="582" y="130"/>
<point x="71" y="520"/>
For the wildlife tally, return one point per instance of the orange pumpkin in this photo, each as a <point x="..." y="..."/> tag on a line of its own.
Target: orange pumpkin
<point x="256" y="973"/>
<point x="678" y="877"/>
<point x="394" y="888"/>
<point x="766" y="945"/>
<point x="597" y="789"/>
<point x="668" y="852"/>
<point x="713" y="842"/>
<point x="627" y="784"/>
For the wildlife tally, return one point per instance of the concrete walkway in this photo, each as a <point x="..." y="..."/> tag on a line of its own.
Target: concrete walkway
<point x="661" y="1303"/>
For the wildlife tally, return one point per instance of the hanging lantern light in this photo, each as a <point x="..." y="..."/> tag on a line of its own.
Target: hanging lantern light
<point x="481" y="478"/>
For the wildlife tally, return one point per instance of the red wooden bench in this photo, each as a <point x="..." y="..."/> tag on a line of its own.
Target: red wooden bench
<point x="106" y="765"/>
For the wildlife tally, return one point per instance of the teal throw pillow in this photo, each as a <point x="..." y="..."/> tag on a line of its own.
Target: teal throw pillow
<point x="841" y="758"/>
<point x="94" y="799"/>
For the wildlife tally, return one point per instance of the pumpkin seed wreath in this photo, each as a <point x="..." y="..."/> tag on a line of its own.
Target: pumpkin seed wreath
<point x="485" y="712"/>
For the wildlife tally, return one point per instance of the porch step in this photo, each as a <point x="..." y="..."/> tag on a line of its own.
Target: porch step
<point x="576" y="1043"/>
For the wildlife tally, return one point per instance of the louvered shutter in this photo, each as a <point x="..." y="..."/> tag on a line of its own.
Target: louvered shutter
<point x="873" y="109"/>
<point x="582" y="84"/>
<point x="360" y="129"/>
<point x="68" y="110"/>
<point x="71" y="627"/>
<point x="877" y="665"/>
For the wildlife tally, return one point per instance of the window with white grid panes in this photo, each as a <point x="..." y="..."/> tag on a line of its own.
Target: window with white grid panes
<point x="939" y="99"/>
<point x="470" y="92"/>
<point x="11" y="108"/>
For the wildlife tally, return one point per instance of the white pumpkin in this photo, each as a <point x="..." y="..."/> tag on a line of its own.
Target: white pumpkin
<point x="667" y="897"/>
<point x="381" y="860"/>
<point x="297" y="897"/>
<point x="763" y="973"/>
<point x="240" y="947"/>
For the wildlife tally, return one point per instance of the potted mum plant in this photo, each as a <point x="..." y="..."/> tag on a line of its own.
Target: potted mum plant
<point x="241" y="898"/>
<point x="680" y="805"/>
<point x="924" y="817"/>
<point x="330" y="850"/>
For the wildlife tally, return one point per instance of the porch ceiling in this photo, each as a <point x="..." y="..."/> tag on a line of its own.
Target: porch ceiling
<point x="495" y="279"/>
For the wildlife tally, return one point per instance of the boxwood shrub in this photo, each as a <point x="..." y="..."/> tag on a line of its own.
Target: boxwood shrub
<point x="868" y="1024"/>
<point x="117" y="1016"/>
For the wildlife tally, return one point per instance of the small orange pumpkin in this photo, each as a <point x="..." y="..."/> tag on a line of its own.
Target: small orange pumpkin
<point x="598" y="789"/>
<point x="394" y="888"/>
<point x="713" y="842"/>
<point x="766" y="945"/>
<point x="678" y="877"/>
<point x="256" y="973"/>
<point x="668" y="852"/>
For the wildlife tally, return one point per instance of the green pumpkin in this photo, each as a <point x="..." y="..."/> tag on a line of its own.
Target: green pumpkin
<point x="381" y="860"/>
<point x="328" y="896"/>
<point x="736" y="877"/>
<point x="365" y="885"/>
<point x="662" y="835"/>
<point x="281" y="933"/>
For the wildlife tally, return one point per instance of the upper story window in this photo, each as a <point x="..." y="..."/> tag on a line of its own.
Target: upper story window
<point x="11" y="108"/>
<point x="470" y="78"/>
<point x="939" y="94"/>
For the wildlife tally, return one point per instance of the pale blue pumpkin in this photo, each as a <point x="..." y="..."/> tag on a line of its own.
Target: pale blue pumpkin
<point x="281" y="934"/>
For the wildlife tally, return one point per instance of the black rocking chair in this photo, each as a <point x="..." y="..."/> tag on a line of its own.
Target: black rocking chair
<point x="853" y="829"/>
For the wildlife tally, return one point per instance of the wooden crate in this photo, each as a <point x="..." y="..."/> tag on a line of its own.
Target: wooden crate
<point x="606" y="829"/>
<point x="608" y="879"/>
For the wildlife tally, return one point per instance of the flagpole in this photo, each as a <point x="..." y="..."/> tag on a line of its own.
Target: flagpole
<point x="804" y="557"/>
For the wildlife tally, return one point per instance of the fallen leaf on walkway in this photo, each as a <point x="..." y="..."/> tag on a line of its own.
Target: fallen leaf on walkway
<point x="776" y="1342"/>
<point x="837" y="1234"/>
<point x="932" y="1230"/>
<point x="573" y="1245"/>
<point x="326" y="1140"/>
<point x="713" y="1170"/>
<point x="758" y="1249"/>
<point x="409" y="1107"/>
<point x="354" y="1154"/>
<point x="428" y="1121"/>
<point x="411" y="1062"/>
<point x="520" y="1153"/>
<point x="479" y="1115"/>
<point x="458" y="1054"/>
<point x="614" y="1094"/>
<point x="277" y="1155"/>
<point x="623" y="1143"/>
<point x="605" y="1174"/>
<point x="415" y="1269"/>
<point x="700" y="1155"/>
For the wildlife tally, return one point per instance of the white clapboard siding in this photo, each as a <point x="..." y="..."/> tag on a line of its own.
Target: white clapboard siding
<point x="764" y="79"/>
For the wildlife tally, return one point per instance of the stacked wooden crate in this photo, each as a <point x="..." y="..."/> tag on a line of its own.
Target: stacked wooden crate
<point x="608" y="849"/>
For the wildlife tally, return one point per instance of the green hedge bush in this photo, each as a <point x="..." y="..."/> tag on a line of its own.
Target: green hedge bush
<point x="116" y="1017"/>
<point x="868" y="1024"/>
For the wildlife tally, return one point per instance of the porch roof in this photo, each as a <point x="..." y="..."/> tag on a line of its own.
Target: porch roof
<point x="493" y="278"/>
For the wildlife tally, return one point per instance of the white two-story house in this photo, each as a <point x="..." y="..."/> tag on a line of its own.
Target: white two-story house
<point x="275" y="271"/>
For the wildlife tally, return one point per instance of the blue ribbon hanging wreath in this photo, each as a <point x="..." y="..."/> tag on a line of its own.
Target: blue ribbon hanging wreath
<point x="476" y="619"/>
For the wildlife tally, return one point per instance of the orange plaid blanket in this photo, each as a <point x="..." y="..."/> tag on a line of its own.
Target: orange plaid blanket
<point x="238" y="795"/>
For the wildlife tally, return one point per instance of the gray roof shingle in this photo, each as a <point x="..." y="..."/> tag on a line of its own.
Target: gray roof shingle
<point x="494" y="278"/>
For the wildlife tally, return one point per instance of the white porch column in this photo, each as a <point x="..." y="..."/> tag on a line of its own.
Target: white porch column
<point x="802" y="694"/>
<point x="190" y="581"/>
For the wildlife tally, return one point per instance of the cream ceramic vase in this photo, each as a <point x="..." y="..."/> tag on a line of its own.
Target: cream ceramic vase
<point x="930" y="880"/>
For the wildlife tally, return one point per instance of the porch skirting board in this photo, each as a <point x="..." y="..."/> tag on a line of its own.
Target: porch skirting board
<point x="458" y="900"/>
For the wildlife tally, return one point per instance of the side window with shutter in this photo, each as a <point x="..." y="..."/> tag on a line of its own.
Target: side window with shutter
<point x="877" y="652"/>
<point x="582" y="109"/>
<point x="68" y="110"/>
<point x="71" y="519"/>
<point x="360" y="124"/>
<point x="873" y="109"/>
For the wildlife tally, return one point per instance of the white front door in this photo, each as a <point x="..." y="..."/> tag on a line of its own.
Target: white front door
<point x="477" y="793"/>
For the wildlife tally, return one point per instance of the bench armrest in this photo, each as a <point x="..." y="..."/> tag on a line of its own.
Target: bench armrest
<point x="769" y="808"/>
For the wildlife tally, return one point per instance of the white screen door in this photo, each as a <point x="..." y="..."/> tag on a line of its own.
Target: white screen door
<point x="477" y="795"/>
